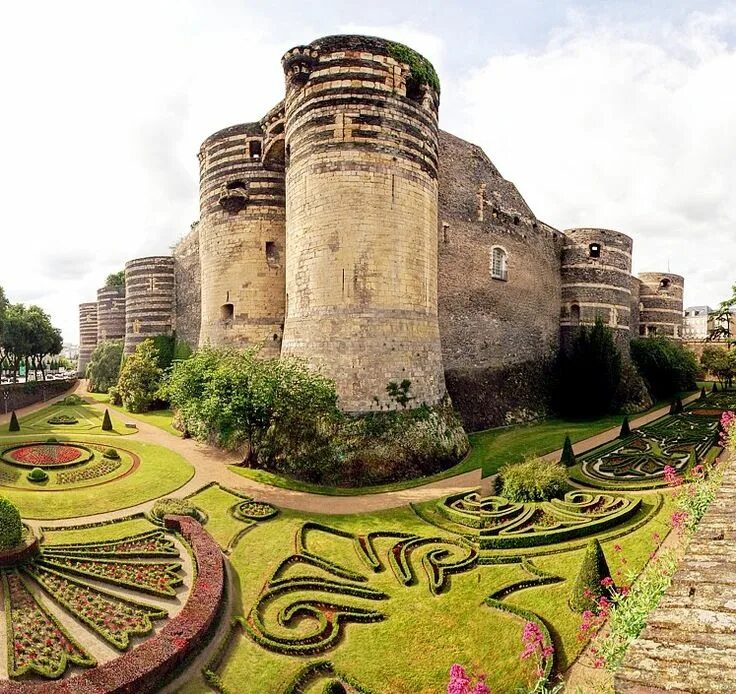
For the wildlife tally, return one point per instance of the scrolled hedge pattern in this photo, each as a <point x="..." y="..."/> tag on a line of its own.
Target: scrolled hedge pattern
<point x="501" y="524"/>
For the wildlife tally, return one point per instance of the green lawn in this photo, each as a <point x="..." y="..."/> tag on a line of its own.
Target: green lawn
<point x="89" y="421"/>
<point x="158" y="418"/>
<point x="161" y="472"/>
<point x="421" y="634"/>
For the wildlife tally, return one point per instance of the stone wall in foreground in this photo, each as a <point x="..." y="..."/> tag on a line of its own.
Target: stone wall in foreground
<point x="689" y="643"/>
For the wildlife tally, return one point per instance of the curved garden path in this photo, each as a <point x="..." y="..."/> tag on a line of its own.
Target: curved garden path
<point x="210" y="465"/>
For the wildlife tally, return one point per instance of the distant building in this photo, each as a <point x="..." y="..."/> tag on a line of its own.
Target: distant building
<point x="697" y="323"/>
<point x="70" y="351"/>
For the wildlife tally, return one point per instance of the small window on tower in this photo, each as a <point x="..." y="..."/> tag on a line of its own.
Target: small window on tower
<point x="236" y="185"/>
<point x="595" y="250"/>
<point x="255" y="149"/>
<point x="227" y="312"/>
<point x="664" y="283"/>
<point x="272" y="255"/>
<point x="499" y="269"/>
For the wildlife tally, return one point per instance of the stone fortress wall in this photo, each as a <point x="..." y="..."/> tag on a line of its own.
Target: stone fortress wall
<point x="345" y="228"/>
<point x="110" y="313"/>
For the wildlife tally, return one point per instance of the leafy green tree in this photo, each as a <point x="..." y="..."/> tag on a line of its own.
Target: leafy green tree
<point x="103" y="369"/>
<point x="116" y="279"/>
<point x="667" y="367"/>
<point x="720" y="363"/>
<point x="140" y="378"/>
<point x="11" y="528"/>
<point x="279" y="412"/>
<point x="588" y="586"/>
<point x="590" y="373"/>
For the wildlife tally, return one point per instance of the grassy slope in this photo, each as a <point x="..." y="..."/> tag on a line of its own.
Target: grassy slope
<point x="161" y="472"/>
<point x="89" y="421"/>
<point x="158" y="418"/>
<point x="422" y="635"/>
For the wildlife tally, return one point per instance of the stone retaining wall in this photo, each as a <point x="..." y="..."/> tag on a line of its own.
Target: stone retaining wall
<point x="17" y="395"/>
<point x="689" y="643"/>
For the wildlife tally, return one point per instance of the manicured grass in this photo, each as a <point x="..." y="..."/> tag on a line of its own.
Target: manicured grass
<point x="98" y="533"/>
<point x="221" y="524"/>
<point x="494" y="448"/>
<point x="422" y="635"/>
<point x="89" y="421"/>
<point x="157" y="418"/>
<point x="161" y="472"/>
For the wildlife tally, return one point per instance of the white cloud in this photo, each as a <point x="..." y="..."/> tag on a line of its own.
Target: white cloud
<point x="627" y="127"/>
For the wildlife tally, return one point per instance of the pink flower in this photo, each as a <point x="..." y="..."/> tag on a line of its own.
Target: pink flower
<point x="678" y="519"/>
<point x="617" y="548"/>
<point x="607" y="582"/>
<point x="599" y="662"/>
<point x="671" y="476"/>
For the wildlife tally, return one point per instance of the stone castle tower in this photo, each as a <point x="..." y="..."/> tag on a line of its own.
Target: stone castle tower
<point x="361" y="219"/>
<point x="241" y="242"/>
<point x="110" y="313"/>
<point x="344" y="228"/>
<point x="596" y="282"/>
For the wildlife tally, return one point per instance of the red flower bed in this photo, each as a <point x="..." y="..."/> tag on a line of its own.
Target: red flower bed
<point x="45" y="455"/>
<point x="145" y="668"/>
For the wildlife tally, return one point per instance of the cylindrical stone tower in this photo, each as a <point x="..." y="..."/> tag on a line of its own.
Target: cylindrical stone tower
<point x="661" y="304"/>
<point x="149" y="299"/>
<point x="241" y="242"/>
<point x="596" y="281"/>
<point x="110" y="313"/>
<point x="361" y="232"/>
<point x="87" y="334"/>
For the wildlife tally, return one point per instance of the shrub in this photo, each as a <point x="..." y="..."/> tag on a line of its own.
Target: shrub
<point x="104" y="366"/>
<point x="52" y="439"/>
<point x="71" y="400"/>
<point x="14" y="423"/>
<point x="589" y="373"/>
<point x="106" y="421"/>
<point x="140" y="378"/>
<point x="11" y="528"/>
<point x="667" y="366"/>
<point x="588" y="586"/>
<point x="175" y="507"/>
<point x="114" y="395"/>
<point x="568" y="455"/>
<point x="714" y="387"/>
<point x="534" y="480"/>
<point x="334" y="687"/>
<point x="702" y="393"/>
<point x="625" y="429"/>
<point x="112" y="454"/>
<point x="37" y="475"/>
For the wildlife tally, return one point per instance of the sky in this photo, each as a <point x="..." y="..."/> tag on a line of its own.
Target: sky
<point x="617" y="114"/>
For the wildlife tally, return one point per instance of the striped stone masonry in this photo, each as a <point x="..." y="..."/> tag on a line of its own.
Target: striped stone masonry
<point x="689" y="643"/>
<point x="87" y="334"/>
<point x="149" y="299"/>
<point x="110" y="313"/>
<point x="660" y="304"/>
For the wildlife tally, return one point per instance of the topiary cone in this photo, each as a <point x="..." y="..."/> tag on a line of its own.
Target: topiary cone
<point x="702" y="393"/>
<point x="106" y="421"/>
<point x="625" y="429"/>
<point x="678" y="405"/>
<point x="592" y="571"/>
<point x="14" y="423"/>
<point x="568" y="455"/>
<point x="714" y="389"/>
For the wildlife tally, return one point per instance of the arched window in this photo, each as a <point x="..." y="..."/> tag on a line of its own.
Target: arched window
<point x="664" y="283"/>
<point x="499" y="266"/>
<point x="575" y="315"/>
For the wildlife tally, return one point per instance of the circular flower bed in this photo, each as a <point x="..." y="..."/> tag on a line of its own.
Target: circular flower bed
<point x="47" y="455"/>
<point x="254" y="510"/>
<point x="64" y="419"/>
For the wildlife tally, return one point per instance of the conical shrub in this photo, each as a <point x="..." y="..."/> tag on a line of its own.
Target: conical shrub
<point x="14" y="423"/>
<point x="568" y="455"/>
<point x="714" y="389"/>
<point x="625" y="429"/>
<point x="702" y="393"/>
<point x="587" y="587"/>
<point x="106" y="421"/>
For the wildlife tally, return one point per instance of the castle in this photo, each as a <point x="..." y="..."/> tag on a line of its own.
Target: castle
<point x="345" y="228"/>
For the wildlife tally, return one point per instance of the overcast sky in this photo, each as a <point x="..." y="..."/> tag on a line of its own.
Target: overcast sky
<point x="617" y="114"/>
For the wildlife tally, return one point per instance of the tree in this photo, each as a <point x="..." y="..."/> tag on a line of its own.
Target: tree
<point x="568" y="455"/>
<point x="103" y="369"/>
<point x="666" y="366"/>
<point x="14" y="424"/>
<point x="140" y="378"/>
<point x="116" y="279"/>
<point x="625" y="429"/>
<point x="106" y="421"/>
<point x="720" y="363"/>
<point x="588" y="587"/>
<point x="11" y="528"/>
<point x="590" y="373"/>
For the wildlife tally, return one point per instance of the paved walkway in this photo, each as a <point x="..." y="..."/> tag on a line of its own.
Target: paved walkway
<point x="210" y="465"/>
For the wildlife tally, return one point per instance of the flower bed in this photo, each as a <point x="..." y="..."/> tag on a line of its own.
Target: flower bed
<point x="62" y="419"/>
<point x="254" y="510"/>
<point x="152" y="543"/>
<point x="36" y="641"/>
<point x="90" y="472"/>
<point x="47" y="455"/>
<point x="159" y="578"/>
